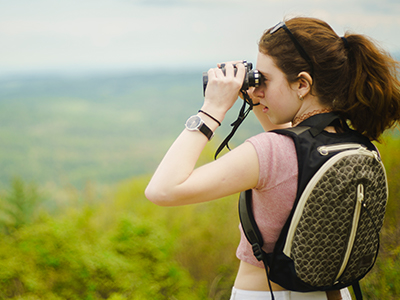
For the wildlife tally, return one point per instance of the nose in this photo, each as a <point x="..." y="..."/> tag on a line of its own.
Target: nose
<point x="256" y="92"/>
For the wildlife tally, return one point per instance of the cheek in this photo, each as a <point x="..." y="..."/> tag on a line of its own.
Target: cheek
<point x="289" y="97"/>
<point x="285" y="104"/>
<point x="278" y="98"/>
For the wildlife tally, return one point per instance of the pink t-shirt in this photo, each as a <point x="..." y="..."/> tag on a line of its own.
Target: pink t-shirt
<point x="275" y="192"/>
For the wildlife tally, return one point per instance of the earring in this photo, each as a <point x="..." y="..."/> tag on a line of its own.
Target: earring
<point x="301" y="98"/>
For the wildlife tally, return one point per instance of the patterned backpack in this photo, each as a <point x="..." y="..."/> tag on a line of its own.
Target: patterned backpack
<point x="331" y="238"/>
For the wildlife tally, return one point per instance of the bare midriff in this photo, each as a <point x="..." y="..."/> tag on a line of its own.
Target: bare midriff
<point x="253" y="278"/>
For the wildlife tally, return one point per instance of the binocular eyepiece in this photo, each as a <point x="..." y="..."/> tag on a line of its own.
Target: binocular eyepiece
<point x="251" y="78"/>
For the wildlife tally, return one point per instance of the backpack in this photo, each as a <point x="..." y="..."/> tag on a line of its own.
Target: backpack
<point x="331" y="237"/>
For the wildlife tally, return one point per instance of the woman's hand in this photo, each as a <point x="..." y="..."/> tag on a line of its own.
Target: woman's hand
<point x="223" y="89"/>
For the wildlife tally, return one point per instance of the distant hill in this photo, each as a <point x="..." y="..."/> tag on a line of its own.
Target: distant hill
<point x="102" y="128"/>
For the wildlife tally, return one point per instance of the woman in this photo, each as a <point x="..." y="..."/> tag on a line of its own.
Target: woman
<point x="306" y="69"/>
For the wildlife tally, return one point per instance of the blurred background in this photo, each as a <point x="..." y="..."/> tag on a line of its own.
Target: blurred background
<point x="92" y="93"/>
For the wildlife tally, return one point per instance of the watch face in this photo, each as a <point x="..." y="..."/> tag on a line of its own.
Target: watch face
<point x="193" y="122"/>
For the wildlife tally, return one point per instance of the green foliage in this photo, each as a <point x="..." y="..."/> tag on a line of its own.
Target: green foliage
<point x="204" y="236"/>
<point x="72" y="257"/>
<point x="117" y="245"/>
<point x="122" y="247"/>
<point x="383" y="282"/>
<point x="19" y="205"/>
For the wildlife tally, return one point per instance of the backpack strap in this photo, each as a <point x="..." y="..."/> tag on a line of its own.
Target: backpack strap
<point x="357" y="290"/>
<point x="318" y="123"/>
<point x="252" y="232"/>
<point x="249" y="225"/>
<point x="315" y="124"/>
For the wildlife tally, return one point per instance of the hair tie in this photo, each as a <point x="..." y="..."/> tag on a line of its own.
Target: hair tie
<point x="345" y="42"/>
<point x="202" y="111"/>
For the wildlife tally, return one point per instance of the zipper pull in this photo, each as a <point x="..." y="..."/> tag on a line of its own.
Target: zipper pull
<point x="360" y="193"/>
<point x="325" y="150"/>
<point x="376" y="155"/>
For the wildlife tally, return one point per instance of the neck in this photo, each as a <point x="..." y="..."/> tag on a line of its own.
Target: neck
<point x="297" y="120"/>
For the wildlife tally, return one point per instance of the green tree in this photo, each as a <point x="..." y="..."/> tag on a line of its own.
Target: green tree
<point x="19" y="205"/>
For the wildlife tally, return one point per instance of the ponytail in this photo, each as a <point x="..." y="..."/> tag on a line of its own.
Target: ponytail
<point x="373" y="100"/>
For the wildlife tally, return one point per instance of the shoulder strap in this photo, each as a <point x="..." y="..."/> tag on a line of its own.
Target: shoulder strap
<point x="315" y="124"/>
<point x="252" y="232"/>
<point x="357" y="290"/>
<point x="319" y="122"/>
<point x="249" y="225"/>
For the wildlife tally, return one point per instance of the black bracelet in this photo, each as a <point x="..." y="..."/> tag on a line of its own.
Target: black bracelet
<point x="219" y="123"/>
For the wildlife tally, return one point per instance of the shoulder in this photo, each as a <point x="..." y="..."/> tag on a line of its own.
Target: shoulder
<point x="270" y="141"/>
<point x="276" y="155"/>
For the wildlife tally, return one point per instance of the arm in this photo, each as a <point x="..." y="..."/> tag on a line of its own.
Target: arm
<point x="176" y="182"/>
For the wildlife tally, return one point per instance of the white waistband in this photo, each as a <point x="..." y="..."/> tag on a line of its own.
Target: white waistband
<point x="279" y="295"/>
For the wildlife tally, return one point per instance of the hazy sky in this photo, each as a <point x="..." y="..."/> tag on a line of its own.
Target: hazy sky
<point x="97" y="34"/>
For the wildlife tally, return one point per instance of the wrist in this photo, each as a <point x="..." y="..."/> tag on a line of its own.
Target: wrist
<point x="213" y="114"/>
<point x="210" y="116"/>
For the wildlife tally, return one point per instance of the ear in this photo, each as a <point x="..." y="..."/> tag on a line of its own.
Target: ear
<point x="304" y="83"/>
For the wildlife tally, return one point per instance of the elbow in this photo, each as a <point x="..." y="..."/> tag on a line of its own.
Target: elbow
<point x="158" y="197"/>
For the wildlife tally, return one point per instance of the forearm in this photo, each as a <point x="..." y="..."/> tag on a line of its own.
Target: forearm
<point x="178" y="164"/>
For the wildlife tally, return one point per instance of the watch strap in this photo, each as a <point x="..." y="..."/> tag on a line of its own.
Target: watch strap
<point x="206" y="131"/>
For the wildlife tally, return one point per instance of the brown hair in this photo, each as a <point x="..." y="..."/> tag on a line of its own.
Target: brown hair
<point x="356" y="78"/>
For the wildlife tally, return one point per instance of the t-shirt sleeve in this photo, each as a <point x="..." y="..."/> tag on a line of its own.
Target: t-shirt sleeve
<point x="276" y="157"/>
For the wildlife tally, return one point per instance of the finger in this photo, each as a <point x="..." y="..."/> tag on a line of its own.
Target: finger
<point x="229" y="70"/>
<point x="211" y="74"/>
<point x="215" y="73"/>
<point x="233" y="62"/>
<point x="241" y="70"/>
<point x="219" y="73"/>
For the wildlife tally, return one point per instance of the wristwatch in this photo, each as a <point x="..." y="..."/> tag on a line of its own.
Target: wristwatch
<point x="196" y="123"/>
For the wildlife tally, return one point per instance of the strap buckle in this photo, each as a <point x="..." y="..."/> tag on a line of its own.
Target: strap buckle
<point x="258" y="252"/>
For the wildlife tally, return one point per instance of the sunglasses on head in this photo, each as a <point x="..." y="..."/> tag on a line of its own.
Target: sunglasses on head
<point x="296" y="43"/>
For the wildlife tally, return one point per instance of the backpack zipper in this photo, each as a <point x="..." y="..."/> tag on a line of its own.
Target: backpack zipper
<point x="352" y="237"/>
<point x="325" y="150"/>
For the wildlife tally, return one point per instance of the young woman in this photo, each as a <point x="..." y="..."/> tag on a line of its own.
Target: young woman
<point x="306" y="69"/>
